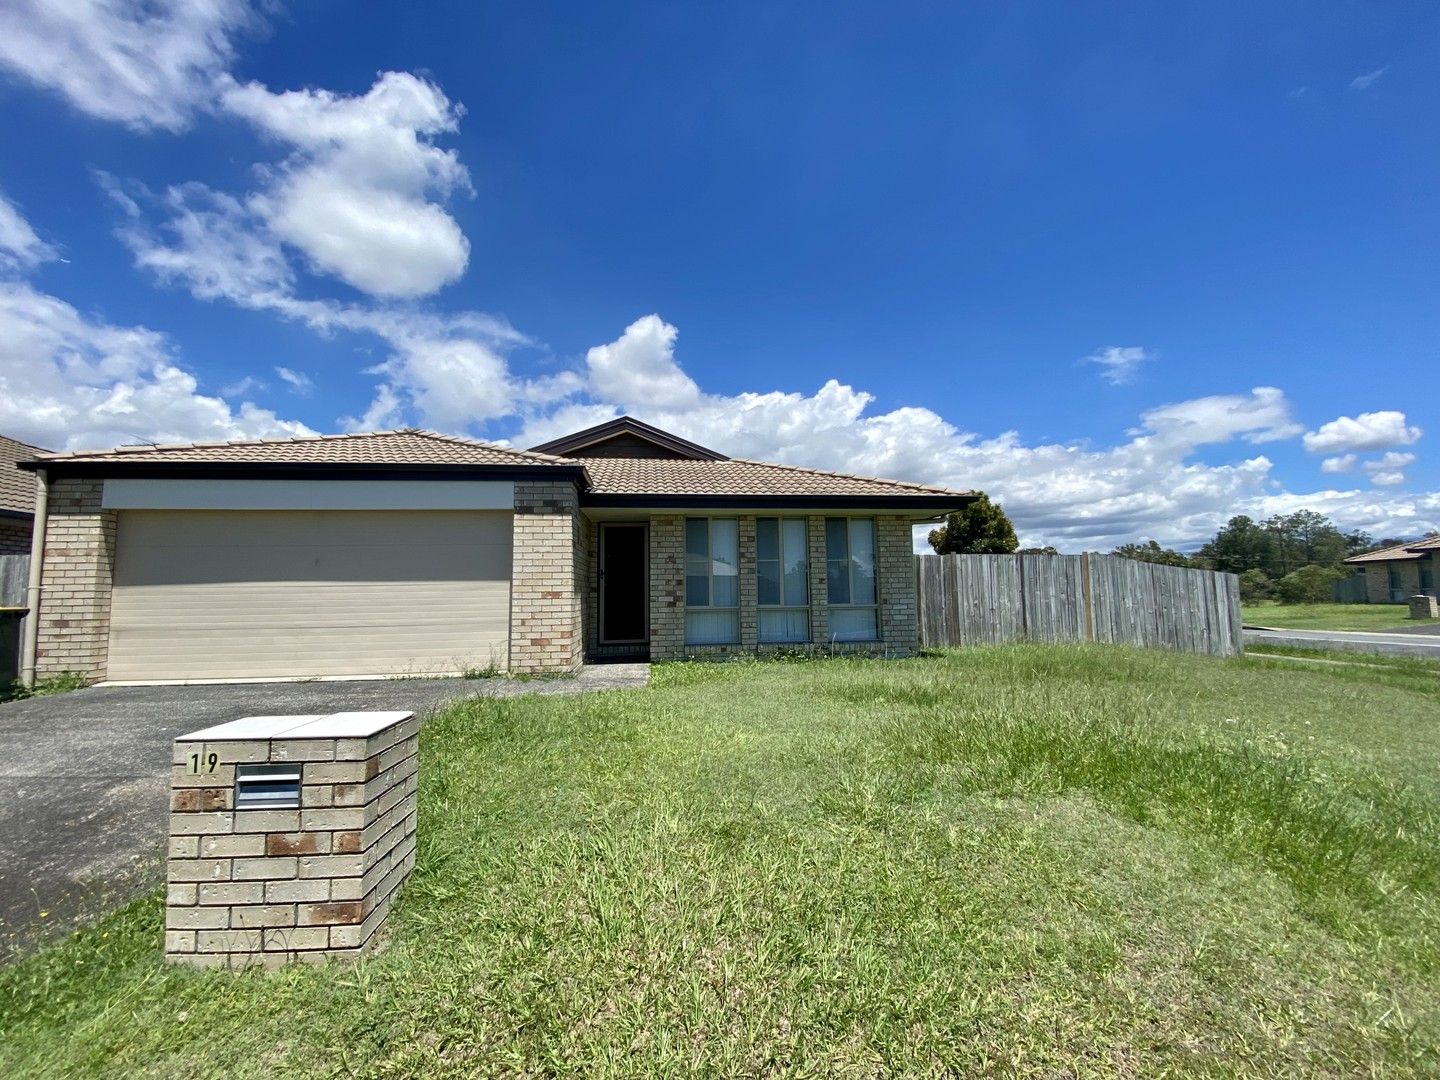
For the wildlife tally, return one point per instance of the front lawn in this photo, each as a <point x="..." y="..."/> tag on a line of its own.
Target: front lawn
<point x="1040" y="861"/>
<point x="1327" y="616"/>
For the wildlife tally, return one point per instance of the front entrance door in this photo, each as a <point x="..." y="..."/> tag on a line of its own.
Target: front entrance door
<point x="624" y="583"/>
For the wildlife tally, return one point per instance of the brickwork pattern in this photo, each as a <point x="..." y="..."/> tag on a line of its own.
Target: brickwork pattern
<point x="74" y="628"/>
<point x="546" y="631"/>
<point x="14" y="536"/>
<point x="589" y="578"/>
<point x="1377" y="580"/>
<point x="667" y="587"/>
<point x="895" y="573"/>
<point x="749" y="586"/>
<point x="819" y="586"/>
<point x="895" y="569"/>
<point x="262" y="888"/>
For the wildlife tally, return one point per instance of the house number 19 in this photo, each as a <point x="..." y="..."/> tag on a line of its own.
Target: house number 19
<point x="201" y="762"/>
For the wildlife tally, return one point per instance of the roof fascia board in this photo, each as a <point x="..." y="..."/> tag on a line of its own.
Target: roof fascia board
<point x="779" y="502"/>
<point x="290" y="470"/>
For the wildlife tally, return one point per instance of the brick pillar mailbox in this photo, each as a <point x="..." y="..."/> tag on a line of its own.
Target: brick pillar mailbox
<point x="289" y="836"/>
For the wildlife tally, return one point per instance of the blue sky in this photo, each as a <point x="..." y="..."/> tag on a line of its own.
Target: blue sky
<point x="1130" y="269"/>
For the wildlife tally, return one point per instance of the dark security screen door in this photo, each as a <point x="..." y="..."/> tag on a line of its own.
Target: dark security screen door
<point x="624" y="595"/>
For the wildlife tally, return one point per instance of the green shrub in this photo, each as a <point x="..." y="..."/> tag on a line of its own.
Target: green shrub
<point x="60" y="683"/>
<point x="1308" y="585"/>
<point x="1255" y="586"/>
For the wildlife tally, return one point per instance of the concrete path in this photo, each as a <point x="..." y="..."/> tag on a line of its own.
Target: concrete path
<point x="1424" y="645"/>
<point x="84" y="778"/>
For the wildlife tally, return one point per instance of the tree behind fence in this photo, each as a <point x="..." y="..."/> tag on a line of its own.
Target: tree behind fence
<point x="992" y="599"/>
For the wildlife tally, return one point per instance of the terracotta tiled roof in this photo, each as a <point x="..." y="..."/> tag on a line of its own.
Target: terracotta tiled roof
<point x="608" y="476"/>
<point x="409" y="447"/>
<point x="1397" y="553"/>
<point x="17" y="489"/>
<point x="736" y="476"/>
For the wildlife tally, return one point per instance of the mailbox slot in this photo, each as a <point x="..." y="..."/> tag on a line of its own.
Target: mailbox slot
<point x="267" y="787"/>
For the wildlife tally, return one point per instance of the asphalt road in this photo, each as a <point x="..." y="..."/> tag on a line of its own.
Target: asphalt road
<point x="1424" y="643"/>
<point x="84" y="779"/>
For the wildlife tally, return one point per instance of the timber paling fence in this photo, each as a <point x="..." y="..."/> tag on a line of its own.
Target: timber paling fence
<point x="994" y="599"/>
<point x="14" y="576"/>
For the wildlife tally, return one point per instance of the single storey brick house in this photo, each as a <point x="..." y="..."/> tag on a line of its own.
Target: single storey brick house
<point x="408" y="552"/>
<point x="1394" y="574"/>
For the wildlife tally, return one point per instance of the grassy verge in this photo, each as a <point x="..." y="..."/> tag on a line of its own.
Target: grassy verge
<point x="1017" y="861"/>
<point x="1327" y="616"/>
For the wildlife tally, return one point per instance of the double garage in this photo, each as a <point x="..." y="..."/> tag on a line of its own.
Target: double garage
<point x="297" y="579"/>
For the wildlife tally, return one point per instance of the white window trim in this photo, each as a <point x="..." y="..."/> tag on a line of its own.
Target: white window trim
<point x="782" y="607"/>
<point x="850" y="572"/>
<point x="710" y="579"/>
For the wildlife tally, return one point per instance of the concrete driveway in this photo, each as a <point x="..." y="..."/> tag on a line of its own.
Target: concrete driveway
<point x="84" y="779"/>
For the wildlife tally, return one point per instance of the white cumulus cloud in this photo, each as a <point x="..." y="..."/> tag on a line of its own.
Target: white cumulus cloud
<point x="20" y="248"/>
<point x="355" y="194"/>
<point x="1342" y="463"/>
<point x="70" y="382"/>
<point x="145" y="64"/>
<point x="1070" y="494"/>
<point x="1368" y="431"/>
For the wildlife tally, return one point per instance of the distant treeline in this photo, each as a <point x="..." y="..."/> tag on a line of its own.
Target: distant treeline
<point x="1294" y="558"/>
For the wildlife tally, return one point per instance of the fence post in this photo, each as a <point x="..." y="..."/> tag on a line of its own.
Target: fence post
<point x="1085" y="593"/>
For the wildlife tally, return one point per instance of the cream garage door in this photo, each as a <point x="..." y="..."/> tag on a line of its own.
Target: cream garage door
<point x="208" y="594"/>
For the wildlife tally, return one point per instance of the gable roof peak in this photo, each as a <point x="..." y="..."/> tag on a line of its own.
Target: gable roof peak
<point x="576" y="443"/>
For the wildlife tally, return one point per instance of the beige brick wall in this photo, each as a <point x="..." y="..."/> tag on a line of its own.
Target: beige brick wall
<point x="749" y="586"/>
<point x="74" y="628"/>
<point x="899" y="606"/>
<point x="895" y="572"/>
<point x="667" y="587"/>
<point x="261" y="888"/>
<point x="546" y="626"/>
<point x="589" y="577"/>
<point x="819" y="591"/>
<point x="1377" y="580"/>
<point x="14" y="536"/>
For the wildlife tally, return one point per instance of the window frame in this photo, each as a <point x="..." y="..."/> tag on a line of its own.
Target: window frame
<point x="779" y="561"/>
<point x="873" y="606"/>
<point x="710" y="606"/>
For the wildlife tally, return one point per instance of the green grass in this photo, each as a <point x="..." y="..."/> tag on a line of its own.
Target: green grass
<point x="60" y="683"/>
<point x="1327" y="616"/>
<point x="1018" y="861"/>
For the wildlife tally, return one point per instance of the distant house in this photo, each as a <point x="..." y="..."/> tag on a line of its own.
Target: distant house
<point x="17" y="497"/>
<point x="410" y="552"/>
<point x="1395" y="573"/>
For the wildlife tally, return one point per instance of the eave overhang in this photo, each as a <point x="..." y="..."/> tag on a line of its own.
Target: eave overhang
<point x="330" y="470"/>
<point x="939" y="504"/>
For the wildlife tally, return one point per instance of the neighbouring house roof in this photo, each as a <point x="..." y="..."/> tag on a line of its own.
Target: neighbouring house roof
<point x="17" y="489"/>
<point x="1396" y="553"/>
<point x="386" y="449"/>
<point x="625" y="435"/>
<point x="1430" y="543"/>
